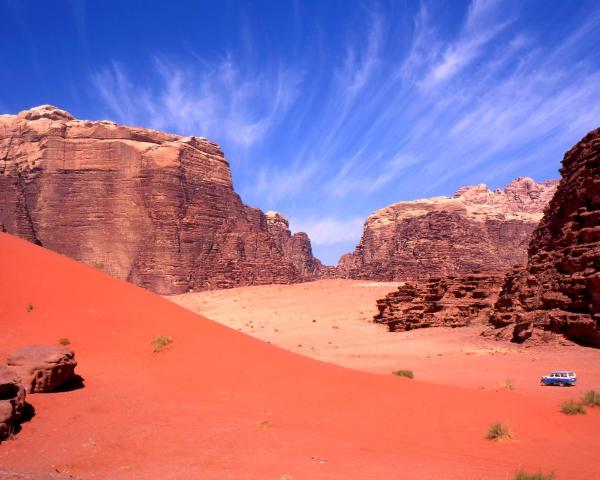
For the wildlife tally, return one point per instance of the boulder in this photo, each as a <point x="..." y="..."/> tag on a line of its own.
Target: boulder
<point x="12" y="401"/>
<point x="43" y="368"/>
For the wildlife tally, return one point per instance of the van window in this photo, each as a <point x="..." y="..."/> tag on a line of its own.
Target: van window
<point x="564" y="375"/>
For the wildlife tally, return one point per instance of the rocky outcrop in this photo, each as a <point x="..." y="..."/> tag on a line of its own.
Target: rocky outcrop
<point x="12" y="401"/>
<point x="476" y="229"/>
<point x="155" y="209"/>
<point x="440" y="302"/>
<point x="43" y="368"/>
<point x="559" y="291"/>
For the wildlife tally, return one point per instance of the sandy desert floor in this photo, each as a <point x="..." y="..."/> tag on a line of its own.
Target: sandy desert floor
<point x="219" y="404"/>
<point x="330" y="320"/>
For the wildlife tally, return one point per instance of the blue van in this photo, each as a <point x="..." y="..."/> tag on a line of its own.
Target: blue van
<point x="560" y="378"/>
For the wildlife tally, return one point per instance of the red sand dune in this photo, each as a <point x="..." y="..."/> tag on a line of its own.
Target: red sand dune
<point x="218" y="404"/>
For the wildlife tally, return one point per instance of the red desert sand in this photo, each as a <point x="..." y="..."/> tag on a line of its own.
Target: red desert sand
<point x="217" y="404"/>
<point x="331" y="321"/>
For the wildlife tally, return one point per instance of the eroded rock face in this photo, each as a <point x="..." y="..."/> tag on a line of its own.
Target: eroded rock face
<point x="559" y="291"/>
<point x="155" y="209"/>
<point x="476" y="229"/>
<point x="452" y="301"/>
<point x="43" y="368"/>
<point x="12" y="401"/>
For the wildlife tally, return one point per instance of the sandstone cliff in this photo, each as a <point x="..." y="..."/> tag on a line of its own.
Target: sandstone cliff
<point x="559" y="291"/>
<point x="440" y="302"/>
<point x="155" y="209"/>
<point x="475" y="229"/>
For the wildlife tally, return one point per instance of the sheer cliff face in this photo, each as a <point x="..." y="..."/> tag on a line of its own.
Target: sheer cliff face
<point x="559" y="291"/>
<point x="476" y="229"/>
<point x="152" y="208"/>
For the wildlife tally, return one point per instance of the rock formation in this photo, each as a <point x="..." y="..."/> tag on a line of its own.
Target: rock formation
<point x="440" y="302"/>
<point x="43" y="368"/>
<point x="12" y="401"/>
<point x="474" y="230"/>
<point x="155" y="209"/>
<point x="559" y="291"/>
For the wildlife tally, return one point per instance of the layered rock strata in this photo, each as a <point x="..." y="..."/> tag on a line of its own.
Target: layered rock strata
<point x="12" y="401"/>
<point x="156" y="209"/>
<point x="452" y="301"/>
<point x="559" y="291"/>
<point x="476" y="229"/>
<point x="43" y="368"/>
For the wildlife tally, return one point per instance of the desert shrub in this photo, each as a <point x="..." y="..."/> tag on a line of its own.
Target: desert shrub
<point x="521" y="475"/>
<point x="499" y="431"/>
<point x="265" y="425"/>
<point x="29" y="308"/>
<point x="403" y="373"/>
<point x="64" y="341"/>
<point x="571" y="407"/>
<point x="161" y="342"/>
<point x="508" y="384"/>
<point x="591" y="398"/>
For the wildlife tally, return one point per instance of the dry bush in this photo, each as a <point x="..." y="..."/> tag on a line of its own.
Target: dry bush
<point x="498" y="432"/>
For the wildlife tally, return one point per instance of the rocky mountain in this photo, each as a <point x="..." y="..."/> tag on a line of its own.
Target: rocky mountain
<point x="440" y="302"/>
<point x="475" y="229"/>
<point x="156" y="209"/>
<point x="559" y="290"/>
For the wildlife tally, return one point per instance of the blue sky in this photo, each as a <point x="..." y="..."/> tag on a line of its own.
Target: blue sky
<point x="326" y="110"/>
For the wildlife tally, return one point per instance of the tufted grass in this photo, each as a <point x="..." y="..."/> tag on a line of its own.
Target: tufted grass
<point x="591" y="398"/>
<point x="571" y="407"/>
<point x="161" y="342"/>
<point x="522" y="475"/>
<point x="498" y="432"/>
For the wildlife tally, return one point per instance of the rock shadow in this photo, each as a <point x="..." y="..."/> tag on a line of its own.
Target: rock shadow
<point x="74" y="383"/>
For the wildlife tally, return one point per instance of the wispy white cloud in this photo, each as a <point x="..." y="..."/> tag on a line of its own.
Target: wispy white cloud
<point x="483" y="22"/>
<point x="213" y="100"/>
<point x="361" y="59"/>
<point x="276" y="183"/>
<point x="400" y="108"/>
<point x="329" y="230"/>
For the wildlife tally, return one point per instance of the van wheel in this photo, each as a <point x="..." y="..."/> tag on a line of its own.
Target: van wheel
<point x="561" y="384"/>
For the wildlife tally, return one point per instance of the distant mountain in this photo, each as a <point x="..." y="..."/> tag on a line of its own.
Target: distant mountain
<point x="474" y="230"/>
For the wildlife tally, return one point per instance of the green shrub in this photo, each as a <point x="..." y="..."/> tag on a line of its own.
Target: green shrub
<point x="403" y="373"/>
<point x="161" y="342"/>
<point x="499" y="431"/>
<point x="571" y="407"/>
<point x="64" y="341"/>
<point x="591" y="398"/>
<point x="521" y="475"/>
